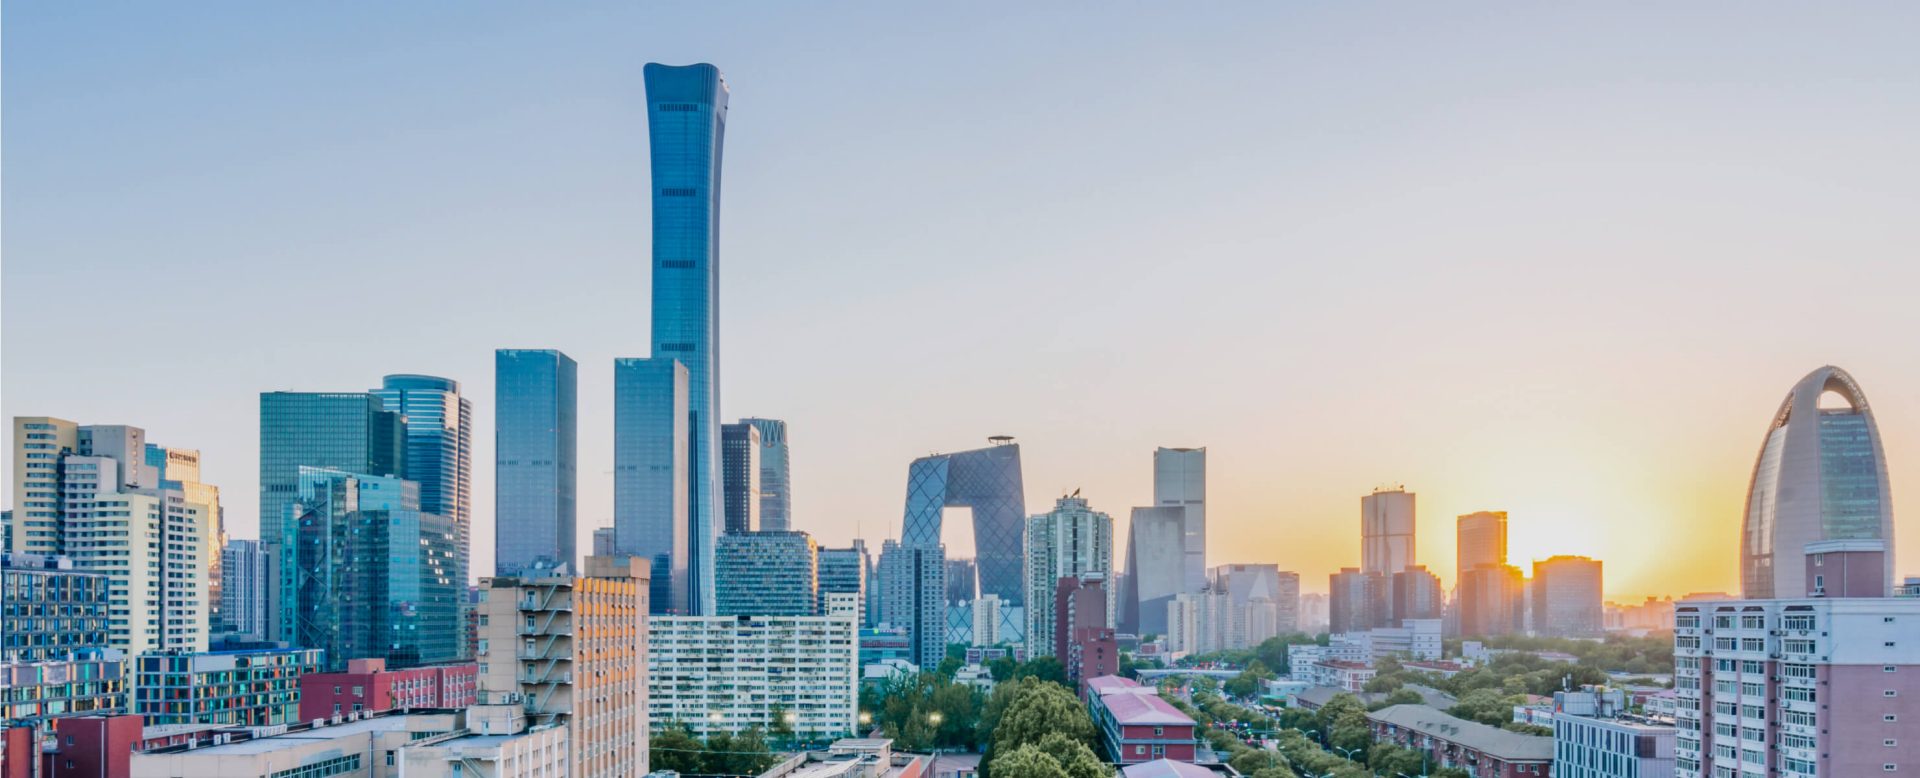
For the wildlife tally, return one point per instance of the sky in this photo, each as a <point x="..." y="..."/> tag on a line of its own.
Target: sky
<point x="1558" y="260"/>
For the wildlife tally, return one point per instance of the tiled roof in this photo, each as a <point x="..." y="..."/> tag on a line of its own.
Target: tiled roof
<point x="1493" y="741"/>
<point x="1138" y="706"/>
<point x="1107" y="683"/>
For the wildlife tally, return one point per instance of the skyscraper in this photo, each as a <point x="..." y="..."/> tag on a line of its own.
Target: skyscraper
<point x="1386" y="531"/>
<point x="1180" y="480"/>
<point x="1481" y="539"/>
<point x="1821" y="475"/>
<point x="776" y="482"/>
<point x="1492" y="601"/>
<point x="1567" y="598"/>
<point x="1071" y="541"/>
<point x="439" y="451"/>
<point x="913" y="582"/>
<point x="536" y="445"/>
<point x="243" y="590"/>
<point x="1262" y="602"/>
<point x="651" y="479"/>
<point x="1155" y="553"/>
<point x="370" y="574"/>
<point x="740" y="476"/>
<point x="686" y="129"/>
<point x="986" y="481"/>
<point x="844" y="570"/>
<point x="1357" y="601"/>
<point x="1417" y="594"/>
<point x="767" y="574"/>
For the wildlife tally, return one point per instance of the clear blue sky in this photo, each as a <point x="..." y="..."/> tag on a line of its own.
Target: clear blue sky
<point x="1562" y="260"/>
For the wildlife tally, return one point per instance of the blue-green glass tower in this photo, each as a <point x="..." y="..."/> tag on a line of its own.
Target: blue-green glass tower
<point x="687" y="123"/>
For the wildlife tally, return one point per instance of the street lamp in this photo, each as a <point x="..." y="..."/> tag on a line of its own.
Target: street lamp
<point x="865" y="718"/>
<point x="1346" y="752"/>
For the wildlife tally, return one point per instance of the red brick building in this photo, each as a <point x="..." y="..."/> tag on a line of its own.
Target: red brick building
<point x="1484" y="751"/>
<point x="368" y="685"/>
<point x="1136" y="725"/>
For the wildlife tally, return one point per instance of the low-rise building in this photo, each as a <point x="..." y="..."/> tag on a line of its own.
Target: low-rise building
<point x="1339" y="674"/>
<point x="51" y="607"/>
<point x="89" y="682"/>
<point x="1481" y="750"/>
<point x="364" y="748"/>
<point x="367" y="685"/>
<point x="1594" y="736"/>
<point x="1136" y="725"/>
<point x="250" y="688"/>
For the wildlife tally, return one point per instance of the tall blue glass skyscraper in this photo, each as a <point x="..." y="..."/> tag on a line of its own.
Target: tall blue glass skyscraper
<point x="650" y="475"/>
<point x="535" y="444"/>
<point x="687" y="122"/>
<point x="439" y="450"/>
<point x="776" y="483"/>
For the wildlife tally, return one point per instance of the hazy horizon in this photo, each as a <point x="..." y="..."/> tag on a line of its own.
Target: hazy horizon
<point x="1559" y="261"/>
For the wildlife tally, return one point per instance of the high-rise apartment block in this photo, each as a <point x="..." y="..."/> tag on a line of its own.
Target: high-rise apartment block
<point x="651" y="486"/>
<point x="1386" y="531"/>
<point x="93" y="493"/>
<point x="844" y="570"/>
<point x="740" y="477"/>
<point x="726" y="674"/>
<point x="767" y="574"/>
<point x="776" y="480"/>
<point x="52" y="608"/>
<point x="1357" y="601"/>
<point x="913" y="598"/>
<point x="1071" y="541"/>
<point x="1180" y="481"/>
<point x="243" y="591"/>
<point x="1083" y="637"/>
<point x="1417" y="594"/>
<point x="255" y="688"/>
<point x="1797" y="687"/>
<point x="370" y="574"/>
<point x="536" y="460"/>
<point x="572" y="652"/>
<point x="686" y="129"/>
<point x="1821" y="475"/>
<point x="1492" y="601"/>
<point x="1567" y="598"/>
<point x="1481" y="539"/>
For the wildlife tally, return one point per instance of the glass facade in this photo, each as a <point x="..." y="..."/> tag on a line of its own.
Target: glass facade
<point x="740" y="476"/>
<point x="239" y="688"/>
<point x="776" y="484"/>
<point x="349" y="431"/>
<point x="651" y="480"/>
<point x="535" y="453"/>
<point x="1154" y="572"/>
<point x="686" y="123"/>
<point x="768" y="574"/>
<point x="371" y="575"/>
<point x="1821" y="475"/>
<point x="439" y="450"/>
<point x="50" y="609"/>
<point x="845" y="570"/>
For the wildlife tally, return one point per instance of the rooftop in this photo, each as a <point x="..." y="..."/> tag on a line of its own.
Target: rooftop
<point x="1107" y="683"/>
<point x="1510" y="746"/>
<point x="1166" y="768"/>
<point x="1139" y="706"/>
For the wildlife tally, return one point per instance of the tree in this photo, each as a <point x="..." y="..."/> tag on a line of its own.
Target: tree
<point x="1251" y="760"/>
<point x="1002" y="668"/>
<point x="782" y="726"/>
<point x="1388" y="759"/>
<point x="1024" y="713"/>
<point x="674" y="748"/>
<point x="745" y="753"/>
<point x="1400" y="697"/>
<point x="1274" y="771"/>
<point x="1485" y="706"/>
<point x="1026" y="762"/>
<point x="1074" y="756"/>
<point x="1045" y="668"/>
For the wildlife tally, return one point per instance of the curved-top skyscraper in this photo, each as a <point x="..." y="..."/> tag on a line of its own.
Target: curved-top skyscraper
<point x="686" y="127"/>
<point x="1821" y="475"/>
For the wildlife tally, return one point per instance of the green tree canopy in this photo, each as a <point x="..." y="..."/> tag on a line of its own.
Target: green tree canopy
<point x="675" y="748"/>
<point x="1027" y="762"/>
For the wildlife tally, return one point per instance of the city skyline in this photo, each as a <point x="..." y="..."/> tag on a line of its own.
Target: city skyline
<point x="1549" y="417"/>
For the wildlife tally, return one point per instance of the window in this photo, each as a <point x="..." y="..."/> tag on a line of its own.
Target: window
<point x="1158" y="731"/>
<point x="1890" y="669"/>
<point x="1890" y="693"/>
<point x="1139" y="750"/>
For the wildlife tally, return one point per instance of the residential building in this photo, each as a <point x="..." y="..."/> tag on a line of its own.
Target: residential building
<point x="1386" y="531"/>
<point x="884" y="644"/>
<point x="1417" y="594"/>
<point x="1301" y="659"/>
<point x="1481" y="539"/>
<point x="370" y="574"/>
<point x="1492" y="601"/>
<point x="1180" y="482"/>
<point x="1071" y="541"/>
<point x="348" y="749"/>
<point x="85" y="681"/>
<point x="1083" y="638"/>
<point x="845" y="570"/>
<point x="1194" y="622"/>
<point x="572" y="651"/>
<point x="776" y="482"/>
<point x="986" y="621"/>
<point x="249" y="688"/>
<point x="1262" y="602"/>
<point x="963" y="580"/>
<point x="1413" y="639"/>
<point x="367" y="685"/>
<point x="652" y="513"/>
<point x="1343" y="674"/>
<point x="767" y="574"/>
<point x="726" y="674"/>
<point x="1155" y="541"/>
<point x="536" y="395"/>
<point x="1481" y="750"/>
<point x="498" y="741"/>
<point x="986" y="481"/>
<point x="1357" y="601"/>
<point x="1796" y="687"/>
<point x="244" y="571"/>
<point x="1136" y="725"/>
<point x="52" y="608"/>
<point x="346" y="431"/>
<point x="686" y="127"/>
<point x="1821" y="475"/>
<point x="1315" y="613"/>
<point x="740" y="477"/>
<point x="1595" y="736"/>
<point x="1566" y="597"/>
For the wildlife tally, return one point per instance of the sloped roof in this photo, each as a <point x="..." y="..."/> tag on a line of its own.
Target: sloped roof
<point x="1510" y="746"/>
